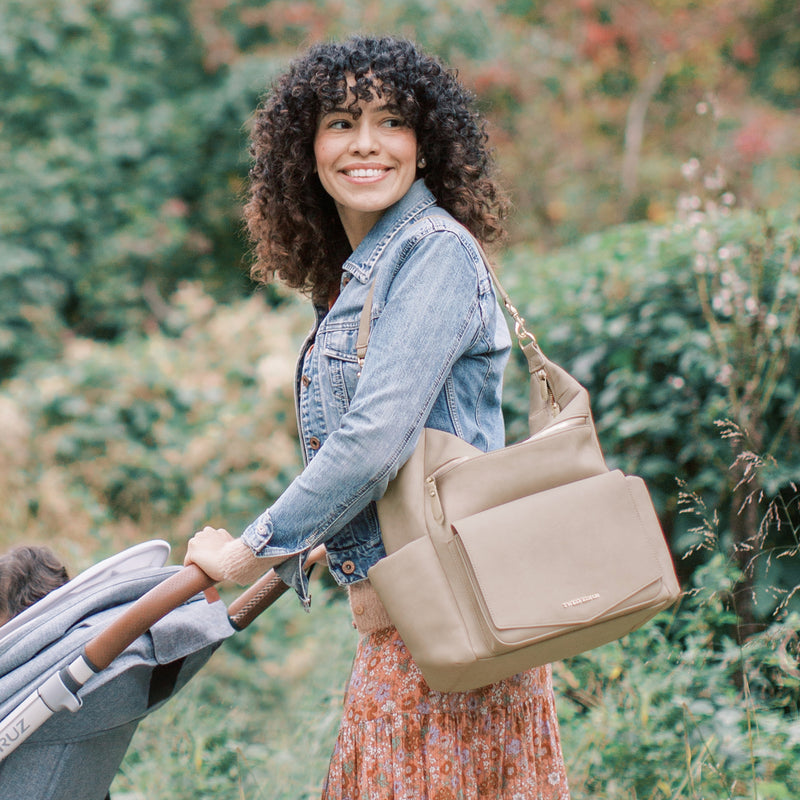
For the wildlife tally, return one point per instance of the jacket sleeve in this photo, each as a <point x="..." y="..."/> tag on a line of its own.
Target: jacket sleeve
<point x="430" y="317"/>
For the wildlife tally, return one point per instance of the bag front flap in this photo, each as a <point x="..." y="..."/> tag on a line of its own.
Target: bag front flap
<point x="564" y="556"/>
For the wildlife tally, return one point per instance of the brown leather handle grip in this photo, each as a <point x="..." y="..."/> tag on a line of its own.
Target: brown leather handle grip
<point x="145" y="612"/>
<point x="263" y="593"/>
<point x="260" y="596"/>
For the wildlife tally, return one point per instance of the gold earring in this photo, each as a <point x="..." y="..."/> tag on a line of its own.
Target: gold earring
<point x="422" y="163"/>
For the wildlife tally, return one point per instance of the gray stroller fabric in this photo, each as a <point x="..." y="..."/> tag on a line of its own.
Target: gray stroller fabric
<point x="74" y="756"/>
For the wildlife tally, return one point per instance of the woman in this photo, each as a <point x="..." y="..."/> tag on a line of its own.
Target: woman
<point x="364" y="154"/>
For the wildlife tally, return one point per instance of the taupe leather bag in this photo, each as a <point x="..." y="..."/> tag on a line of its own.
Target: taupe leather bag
<point x="501" y="561"/>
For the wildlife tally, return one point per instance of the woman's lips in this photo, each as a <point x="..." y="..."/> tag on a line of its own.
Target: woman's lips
<point x="365" y="172"/>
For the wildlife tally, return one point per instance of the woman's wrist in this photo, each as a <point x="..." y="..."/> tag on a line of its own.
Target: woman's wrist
<point x="241" y="565"/>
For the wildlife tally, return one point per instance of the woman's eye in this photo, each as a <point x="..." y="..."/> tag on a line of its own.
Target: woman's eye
<point x="338" y="124"/>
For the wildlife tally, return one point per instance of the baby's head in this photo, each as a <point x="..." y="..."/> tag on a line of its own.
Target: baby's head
<point x="27" y="574"/>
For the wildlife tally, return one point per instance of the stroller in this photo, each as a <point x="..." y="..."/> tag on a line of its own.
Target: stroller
<point x="114" y="644"/>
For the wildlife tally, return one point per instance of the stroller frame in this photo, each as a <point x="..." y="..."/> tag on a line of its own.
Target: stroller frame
<point x="60" y="691"/>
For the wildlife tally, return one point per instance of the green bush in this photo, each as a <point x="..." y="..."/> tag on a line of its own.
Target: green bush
<point x="677" y="710"/>
<point x="672" y="329"/>
<point x="681" y="708"/>
<point x="157" y="435"/>
<point x="123" y="156"/>
<point x="123" y="130"/>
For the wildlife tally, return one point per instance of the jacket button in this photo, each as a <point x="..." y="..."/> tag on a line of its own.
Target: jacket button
<point x="358" y="610"/>
<point x="348" y="567"/>
<point x="305" y="380"/>
<point x="314" y="443"/>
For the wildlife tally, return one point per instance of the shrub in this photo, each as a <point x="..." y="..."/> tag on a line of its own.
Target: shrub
<point x="123" y="157"/>
<point x="672" y="328"/>
<point x="157" y="435"/>
<point x="676" y="710"/>
<point x="682" y="707"/>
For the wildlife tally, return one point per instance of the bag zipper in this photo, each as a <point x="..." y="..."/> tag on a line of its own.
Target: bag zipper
<point x="430" y="482"/>
<point x="545" y="387"/>
<point x="436" y="503"/>
<point x="557" y="427"/>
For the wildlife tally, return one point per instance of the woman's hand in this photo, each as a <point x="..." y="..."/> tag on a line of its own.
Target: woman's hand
<point x="205" y="550"/>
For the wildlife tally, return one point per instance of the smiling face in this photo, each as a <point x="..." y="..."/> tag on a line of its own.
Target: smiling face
<point x="366" y="159"/>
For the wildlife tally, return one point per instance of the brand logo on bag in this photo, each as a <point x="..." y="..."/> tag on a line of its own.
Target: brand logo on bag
<point x="579" y="601"/>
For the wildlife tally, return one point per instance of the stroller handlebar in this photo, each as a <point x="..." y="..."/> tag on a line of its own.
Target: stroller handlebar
<point x="60" y="691"/>
<point x="173" y="592"/>
<point x="145" y="612"/>
<point x="264" y="592"/>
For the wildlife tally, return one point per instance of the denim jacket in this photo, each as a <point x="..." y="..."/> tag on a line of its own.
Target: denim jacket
<point x="437" y="350"/>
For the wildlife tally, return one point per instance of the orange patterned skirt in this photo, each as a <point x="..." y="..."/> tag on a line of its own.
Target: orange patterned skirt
<point x="400" y="740"/>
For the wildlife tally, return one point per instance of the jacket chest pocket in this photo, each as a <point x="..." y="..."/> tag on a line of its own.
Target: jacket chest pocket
<point x="339" y="349"/>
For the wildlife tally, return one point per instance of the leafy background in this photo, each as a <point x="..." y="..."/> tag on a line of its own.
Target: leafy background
<point x="652" y="154"/>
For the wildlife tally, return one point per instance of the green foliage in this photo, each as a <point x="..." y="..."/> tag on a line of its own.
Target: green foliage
<point x="679" y="710"/>
<point x="124" y="150"/>
<point x="153" y="436"/>
<point x="122" y="161"/>
<point x="776" y="73"/>
<point x="633" y="314"/>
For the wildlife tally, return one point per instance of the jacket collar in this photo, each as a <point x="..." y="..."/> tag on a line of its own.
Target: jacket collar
<point x="362" y="261"/>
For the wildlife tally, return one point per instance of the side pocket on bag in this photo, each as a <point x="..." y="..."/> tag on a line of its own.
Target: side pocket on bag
<point x="420" y="604"/>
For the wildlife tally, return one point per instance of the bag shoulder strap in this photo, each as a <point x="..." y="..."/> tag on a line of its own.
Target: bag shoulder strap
<point x="537" y="363"/>
<point x="363" y="328"/>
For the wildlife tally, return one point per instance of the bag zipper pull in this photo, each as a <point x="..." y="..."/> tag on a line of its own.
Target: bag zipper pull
<point x="548" y="396"/>
<point x="436" y="504"/>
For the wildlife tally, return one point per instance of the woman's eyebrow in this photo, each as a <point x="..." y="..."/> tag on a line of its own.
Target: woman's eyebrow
<point x="391" y="107"/>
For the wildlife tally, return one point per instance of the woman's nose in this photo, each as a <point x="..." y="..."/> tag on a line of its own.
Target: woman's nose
<point x="364" y="139"/>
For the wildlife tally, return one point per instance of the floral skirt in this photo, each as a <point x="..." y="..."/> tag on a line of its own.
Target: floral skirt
<point x="400" y="740"/>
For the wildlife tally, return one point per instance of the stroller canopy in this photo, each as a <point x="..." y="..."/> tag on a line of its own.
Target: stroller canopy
<point x="76" y="755"/>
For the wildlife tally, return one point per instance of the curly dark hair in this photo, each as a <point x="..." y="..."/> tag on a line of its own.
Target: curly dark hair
<point x="291" y="219"/>
<point x="27" y="574"/>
